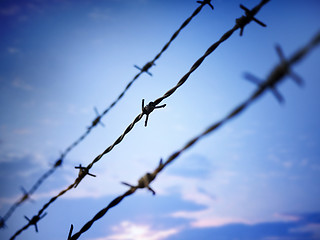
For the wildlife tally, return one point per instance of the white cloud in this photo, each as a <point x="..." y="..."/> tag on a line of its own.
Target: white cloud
<point x="313" y="228"/>
<point x="22" y="131"/>
<point x="18" y="83"/>
<point x="200" y="193"/>
<point x="287" y="164"/>
<point x="13" y="50"/>
<point x="100" y="14"/>
<point x="50" y="122"/>
<point x="10" y="11"/>
<point x="131" y="231"/>
<point x="206" y="218"/>
<point x="287" y="217"/>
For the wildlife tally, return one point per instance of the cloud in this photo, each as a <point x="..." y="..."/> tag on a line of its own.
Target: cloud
<point x="311" y="228"/>
<point x="307" y="228"/>
<point x="10" y="11"/>
<point x="100" y="14"/>
<point x="206" y="218"/>
<point x="13" y="50"/>
<point x="131" y="231"/>
<point x="200" y="192"/>
<point x="22" y="131"/>
<point x="18" y="83"/>
<point x="287" y="217"/>
<point x="193" y="166"/>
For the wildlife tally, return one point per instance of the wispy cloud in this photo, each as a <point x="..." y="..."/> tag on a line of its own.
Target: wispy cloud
<point x="313" y="228"/>
<point x="206" y="218"/>
<point x="18" y="83"/>
<point x="22" y="131"/>
<point x="10" y="11"/>
<point x="131" y="231"/>
<point x="287" y="217"/>
<point x="13" y="50"/>
<point x="100" y="14"/>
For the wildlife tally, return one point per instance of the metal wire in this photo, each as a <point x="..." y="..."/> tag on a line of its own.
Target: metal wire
<point x="239" y="25"/>
<point x="277" y="75"/>
<point x="97" y="120"/>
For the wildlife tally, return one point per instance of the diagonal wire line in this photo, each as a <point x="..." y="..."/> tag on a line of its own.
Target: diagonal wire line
<point x="97" y="120"/>
<point x="240" y="24"/>
<point x="277" y="75"/>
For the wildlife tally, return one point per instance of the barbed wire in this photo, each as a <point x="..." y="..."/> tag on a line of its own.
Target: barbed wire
<point x="25" y="196"/>
<point x="146" y="110"/>
<point x="276" y="75"/>
<point x="97" y="120"/>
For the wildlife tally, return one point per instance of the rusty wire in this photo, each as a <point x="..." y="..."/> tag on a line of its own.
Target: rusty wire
<point x="97" y="120"/>
<point x="276" y="75"/>
<point x="245" y="19"/>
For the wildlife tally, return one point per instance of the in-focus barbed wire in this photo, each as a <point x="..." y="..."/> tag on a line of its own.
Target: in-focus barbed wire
<point x="97" y="120"/>
<point x="276" y="75"/>
<point x="240" y="24"/>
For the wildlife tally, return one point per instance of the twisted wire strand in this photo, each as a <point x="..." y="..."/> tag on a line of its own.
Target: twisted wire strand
<point x="247" y="18"/>
<point x="145" y="181"/>
<point x="98" y="118"/>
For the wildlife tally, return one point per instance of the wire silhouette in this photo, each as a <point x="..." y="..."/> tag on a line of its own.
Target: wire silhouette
<point x="152" y="105"/>
<point x="276" y="75"/>
<point x="97" y="120"/>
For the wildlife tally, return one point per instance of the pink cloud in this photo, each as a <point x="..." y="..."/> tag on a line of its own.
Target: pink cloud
<point x="131" y="231"/>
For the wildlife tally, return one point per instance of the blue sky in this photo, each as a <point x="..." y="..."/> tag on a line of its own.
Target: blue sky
<point x="257" y="177"/>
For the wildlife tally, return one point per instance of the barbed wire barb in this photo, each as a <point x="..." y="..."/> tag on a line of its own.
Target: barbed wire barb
<point x="83" y="171"/>
<point x="97" y="120"/>
<point x="70" y="232"/>
<point x="258" y="82"/>
<point x="146" y="180"/>
<point x="35" y="220"/>
<point x="146" y="67"/>
<point x="149" y="109"/>
<point x="204" y="2"/>
<point x="249" y="16"/>
<point x="2" y="223"/>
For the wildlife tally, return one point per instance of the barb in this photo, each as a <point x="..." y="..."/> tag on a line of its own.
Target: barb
<point x="2" y="223"/>
<point x="35" y="220"/>
<point x="83" y="171"/>
<point x="149" y="109"/>
<point x="97" y="120"/>
<point x="156" y="103"/>
<point x="146" y="180"/>
<point x="70" y="232"/>
<point x="206" y="2"/>
<point x="146" y="67"/>
<point x="244" y="20"/>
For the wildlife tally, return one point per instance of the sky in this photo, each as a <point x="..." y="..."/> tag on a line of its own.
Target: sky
<point x="257" y="177"/>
